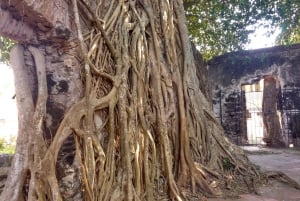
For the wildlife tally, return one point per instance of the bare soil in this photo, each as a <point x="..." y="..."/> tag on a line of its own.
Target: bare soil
<point x="284" y="160"/>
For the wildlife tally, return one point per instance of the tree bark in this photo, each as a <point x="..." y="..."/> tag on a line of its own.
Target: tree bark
<point x="142" y="130"/>
<point x="273" y="135"/>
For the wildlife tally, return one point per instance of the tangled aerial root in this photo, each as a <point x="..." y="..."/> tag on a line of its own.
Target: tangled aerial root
<point x="143" y="129"/>
<point x="280" y="176"/>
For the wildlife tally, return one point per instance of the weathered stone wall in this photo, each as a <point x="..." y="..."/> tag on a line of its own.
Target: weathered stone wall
<point x="228" y="72"/>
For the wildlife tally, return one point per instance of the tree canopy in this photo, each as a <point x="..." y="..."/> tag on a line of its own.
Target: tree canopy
<point x="222" y="26"/>
<point x="5" y="46"/>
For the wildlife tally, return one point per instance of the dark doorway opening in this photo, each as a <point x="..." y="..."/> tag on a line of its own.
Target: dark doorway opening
<point x="291" y="115"/>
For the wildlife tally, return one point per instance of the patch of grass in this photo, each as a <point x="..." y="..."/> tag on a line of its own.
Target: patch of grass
<point x="7" y="147"/>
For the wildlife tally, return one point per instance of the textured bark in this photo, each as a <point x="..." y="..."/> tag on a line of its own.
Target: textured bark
<point x="142" y="129"/>
<point x="25" y="107"/>
<point x="273" y="132"/>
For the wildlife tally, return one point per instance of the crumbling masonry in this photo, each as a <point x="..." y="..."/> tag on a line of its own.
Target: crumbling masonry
<point x="279" y="68"/>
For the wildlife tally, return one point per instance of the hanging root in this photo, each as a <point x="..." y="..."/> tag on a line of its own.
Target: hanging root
<point x="143" y="130"/>
<point x="281" y="177"/>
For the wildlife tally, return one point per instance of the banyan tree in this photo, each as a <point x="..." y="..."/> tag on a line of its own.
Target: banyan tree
<point x="112" y="106"/>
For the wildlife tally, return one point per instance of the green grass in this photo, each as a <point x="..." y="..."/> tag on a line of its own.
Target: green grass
<point x="7" y="147"/>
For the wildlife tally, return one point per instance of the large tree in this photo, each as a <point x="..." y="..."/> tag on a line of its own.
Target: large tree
<point x="110" y="107"/>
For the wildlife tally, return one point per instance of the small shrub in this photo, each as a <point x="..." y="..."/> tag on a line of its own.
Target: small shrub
<point x="227" y="164"/>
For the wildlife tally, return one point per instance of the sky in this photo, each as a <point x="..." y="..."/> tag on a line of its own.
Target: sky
<point x="8" y="109"/>
<point x="260" y="39"/>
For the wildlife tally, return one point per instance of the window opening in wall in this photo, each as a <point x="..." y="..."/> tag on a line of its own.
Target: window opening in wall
<point x="254" y="118"/>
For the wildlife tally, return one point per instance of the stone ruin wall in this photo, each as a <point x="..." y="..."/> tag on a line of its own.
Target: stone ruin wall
<point x="230" y="71"/>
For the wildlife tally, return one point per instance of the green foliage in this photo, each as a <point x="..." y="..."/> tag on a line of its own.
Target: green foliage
<point x="219" y="26"/>
<point x="223" y="26"/>
<point x="288" y="12"/>
<point x="7" y="147"/>
<point x="227" y="164"/>
<point x="5" y="46"/>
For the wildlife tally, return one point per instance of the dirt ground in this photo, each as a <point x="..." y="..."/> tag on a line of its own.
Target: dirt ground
<point x="285" y="160"/>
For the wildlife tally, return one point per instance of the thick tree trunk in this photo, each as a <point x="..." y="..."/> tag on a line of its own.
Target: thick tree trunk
<point x="273" y="135"/>
<point x="142" y="130"/>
